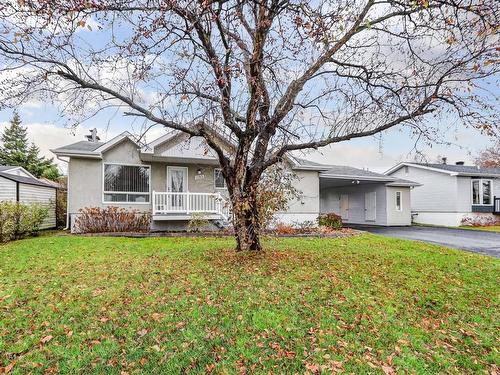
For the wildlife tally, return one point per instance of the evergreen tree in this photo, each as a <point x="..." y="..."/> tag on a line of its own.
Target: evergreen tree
<point x="15" y="150"/>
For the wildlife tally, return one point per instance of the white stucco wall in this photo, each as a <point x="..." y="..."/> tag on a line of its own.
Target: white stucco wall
<point x="395" y="217"/>
<point x="306" y="207"/>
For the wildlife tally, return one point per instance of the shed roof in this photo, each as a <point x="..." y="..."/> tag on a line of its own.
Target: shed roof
<point x="7" y="167"/>
<point x="25" y="180"/>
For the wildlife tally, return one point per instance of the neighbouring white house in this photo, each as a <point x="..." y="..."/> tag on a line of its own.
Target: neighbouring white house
<point x="175" y="177"/>
<point x="451" y="193"/>
<point x="18" y="185"/>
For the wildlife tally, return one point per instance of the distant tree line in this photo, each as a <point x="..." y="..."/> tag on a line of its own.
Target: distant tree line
<point x="16" y="150"/>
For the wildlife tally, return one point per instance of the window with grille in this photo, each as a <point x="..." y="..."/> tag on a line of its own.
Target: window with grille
<point x="126" y="183"/>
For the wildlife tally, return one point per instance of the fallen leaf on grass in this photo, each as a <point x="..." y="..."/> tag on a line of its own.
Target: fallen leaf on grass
<point x="155" y="316"/>
<point x="388" y="370"/>
<point x="6" y="369"/>
<point x="46" y="339"/>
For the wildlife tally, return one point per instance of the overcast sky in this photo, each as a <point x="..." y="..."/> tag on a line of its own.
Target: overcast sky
<point x="378" y="153"/>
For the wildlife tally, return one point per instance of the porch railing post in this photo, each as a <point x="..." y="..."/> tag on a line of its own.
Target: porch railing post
<point x="154" y="202"/>
<point x="188" y="203"/>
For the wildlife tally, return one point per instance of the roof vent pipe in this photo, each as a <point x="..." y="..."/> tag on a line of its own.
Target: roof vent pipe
<point x="459" y="163"/>
<point x="444" y="160"/>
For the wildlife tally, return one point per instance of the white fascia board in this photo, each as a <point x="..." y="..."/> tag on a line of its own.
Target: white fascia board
<point x="115" y="141"/>
<point x="149" y="148"/>
<point x="479" y="175"/>
<point x="311" y="168"/>
<point x="363" y="178"/>
<point x="400" y="165"/>
<point x="62" y="153"/>
<point x="403" y="184"/>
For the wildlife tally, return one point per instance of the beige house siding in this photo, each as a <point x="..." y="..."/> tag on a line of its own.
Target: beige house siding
<point x="86" y="184"/>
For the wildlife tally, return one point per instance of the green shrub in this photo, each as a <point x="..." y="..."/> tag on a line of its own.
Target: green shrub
<point x="330" y="220"/>
<point x="18" y="220"/>
<point x="198" y="222"/>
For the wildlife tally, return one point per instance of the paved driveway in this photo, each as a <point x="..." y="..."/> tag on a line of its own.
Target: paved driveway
<point x="471" y="240"/>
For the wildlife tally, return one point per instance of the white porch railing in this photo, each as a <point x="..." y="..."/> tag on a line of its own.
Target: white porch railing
<point x="188" y="203"/>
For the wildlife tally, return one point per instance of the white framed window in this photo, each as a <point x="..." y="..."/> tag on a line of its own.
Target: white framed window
<point x="126" y="183"/>
<point x="481" y="192"/>
<point x="219" y="181"/>
<point x="399" y="201"/>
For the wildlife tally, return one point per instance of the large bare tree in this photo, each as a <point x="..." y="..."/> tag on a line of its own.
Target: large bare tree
<point x="272" y="76"/>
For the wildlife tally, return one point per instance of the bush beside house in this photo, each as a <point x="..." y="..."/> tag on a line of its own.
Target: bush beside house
<point x="330" y="220"/>
<point x="18" y="220"/>
<point x="111" y="219"/>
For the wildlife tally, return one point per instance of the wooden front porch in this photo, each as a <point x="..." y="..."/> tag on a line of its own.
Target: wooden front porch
<point x="185" y="205"/>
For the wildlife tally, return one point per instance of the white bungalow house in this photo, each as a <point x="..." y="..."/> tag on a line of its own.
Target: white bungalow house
<point x="18" y="185"/>
<point x="450" y="193"/>
<point x="175" y="177"/>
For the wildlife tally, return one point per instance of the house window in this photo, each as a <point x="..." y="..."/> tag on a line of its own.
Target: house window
<point x="219" y="181"/>
<point x="399" y="204"/>
<point x="481" y="192"/>
<point x="126" y="183"/>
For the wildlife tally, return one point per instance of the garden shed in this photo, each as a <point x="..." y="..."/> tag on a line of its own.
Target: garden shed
<point x="18" y="185"/>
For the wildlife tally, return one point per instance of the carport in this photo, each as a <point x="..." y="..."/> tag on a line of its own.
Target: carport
<point x="361" y="196"/>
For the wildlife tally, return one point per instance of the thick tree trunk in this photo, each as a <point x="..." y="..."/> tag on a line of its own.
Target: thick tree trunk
<point x="246" y="221"/>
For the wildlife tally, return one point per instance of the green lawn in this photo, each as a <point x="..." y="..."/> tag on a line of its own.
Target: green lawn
<point x="489" y="228"/>
<point x="366" y="304"/>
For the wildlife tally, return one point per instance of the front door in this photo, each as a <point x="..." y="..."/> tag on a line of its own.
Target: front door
<point x="371" y="206"/>
<point x="177" y="183"/>
<point x="344" y="207"/>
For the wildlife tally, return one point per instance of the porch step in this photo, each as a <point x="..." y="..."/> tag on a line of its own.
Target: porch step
<point x="183" y="217"/>
<point x="221" y="223"/>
